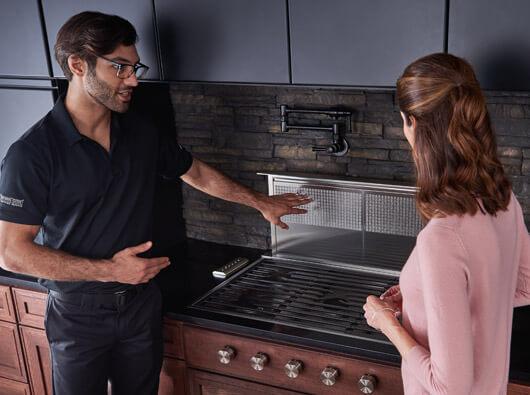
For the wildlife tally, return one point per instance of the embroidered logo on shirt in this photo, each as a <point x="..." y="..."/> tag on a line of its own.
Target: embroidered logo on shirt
<point x="11" y="201"/>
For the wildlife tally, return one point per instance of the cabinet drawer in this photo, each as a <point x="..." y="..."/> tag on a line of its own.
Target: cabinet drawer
<point x="173" y="339"/>
<point x="7" y="311"/>
<point x="31" y="306"/>
<point x="10" y="387"/>
<point x="202" y="383"/>
<point x="201" y="347"/>
<point x="11" y="358"/>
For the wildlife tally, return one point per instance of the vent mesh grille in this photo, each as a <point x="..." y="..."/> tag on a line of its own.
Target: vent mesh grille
<point x="330" y="208"/>
<point x="392" y="214"/>
<point x="384" y="212"/>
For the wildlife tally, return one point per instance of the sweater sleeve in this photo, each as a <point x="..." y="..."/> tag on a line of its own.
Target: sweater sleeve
<point x="522" y="292"/>
<point x="447" y="367"/>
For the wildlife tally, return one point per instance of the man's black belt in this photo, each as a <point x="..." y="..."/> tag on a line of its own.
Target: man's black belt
<point x="116" y="299"/>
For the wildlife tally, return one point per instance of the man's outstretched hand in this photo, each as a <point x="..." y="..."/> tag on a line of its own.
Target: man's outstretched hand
<point x="273" y="207"/>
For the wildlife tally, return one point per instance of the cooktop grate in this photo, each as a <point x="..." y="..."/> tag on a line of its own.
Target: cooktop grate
<point x="306" y="295"/>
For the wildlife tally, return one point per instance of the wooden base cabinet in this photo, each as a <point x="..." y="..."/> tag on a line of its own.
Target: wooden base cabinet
<point x="203" y="383"/>
<point x="206" y="375"/>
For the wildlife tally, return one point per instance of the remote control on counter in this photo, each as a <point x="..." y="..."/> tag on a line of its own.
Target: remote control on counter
<point x="232" y="266"/>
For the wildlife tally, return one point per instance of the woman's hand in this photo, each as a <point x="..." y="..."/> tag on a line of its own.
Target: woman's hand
<point x="379" y="314"/>
<point x="393" y="296"/>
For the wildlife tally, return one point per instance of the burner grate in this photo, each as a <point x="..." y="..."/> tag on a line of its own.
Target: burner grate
<point x="300" y="294"/>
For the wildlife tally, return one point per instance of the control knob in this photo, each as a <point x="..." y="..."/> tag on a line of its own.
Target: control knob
<point x="293" y="368"/>
<point x="226" y="354"/>
<point x="329" y="375"/>
<point x="367" y="383"/>
<point x="259" y="361"/>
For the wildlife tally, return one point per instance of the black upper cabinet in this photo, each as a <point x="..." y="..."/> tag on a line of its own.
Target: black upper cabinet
<point x="138" y="12"/>
<point x="360" y="43"/>
<point x="21" y="41"/>
<point x="494" y="36"/>
<point x="19" y="110"/>
<point x="229" y="40"/>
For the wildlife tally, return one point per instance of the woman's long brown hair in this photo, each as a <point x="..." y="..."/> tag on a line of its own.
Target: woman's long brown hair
<point x="455" y="149"/>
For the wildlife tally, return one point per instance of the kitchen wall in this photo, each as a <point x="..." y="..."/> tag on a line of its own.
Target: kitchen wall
<point x="237" y="129"/>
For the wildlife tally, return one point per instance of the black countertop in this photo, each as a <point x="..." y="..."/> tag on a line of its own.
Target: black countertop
<point x="189" y="277"/>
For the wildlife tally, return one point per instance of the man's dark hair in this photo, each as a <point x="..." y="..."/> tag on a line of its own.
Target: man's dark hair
<point x="91" y="32"/>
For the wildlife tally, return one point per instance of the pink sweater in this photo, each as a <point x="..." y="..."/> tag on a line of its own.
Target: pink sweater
<point x="459" y="286"/>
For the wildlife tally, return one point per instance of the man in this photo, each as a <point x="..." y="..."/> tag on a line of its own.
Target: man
<point x="82" y="180"/>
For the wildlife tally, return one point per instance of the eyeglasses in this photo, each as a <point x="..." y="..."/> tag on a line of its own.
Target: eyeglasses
<point x="125" y="70"/>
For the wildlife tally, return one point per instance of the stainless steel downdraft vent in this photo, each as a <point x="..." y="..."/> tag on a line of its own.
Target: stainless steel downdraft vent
<point x="348" y="222"/>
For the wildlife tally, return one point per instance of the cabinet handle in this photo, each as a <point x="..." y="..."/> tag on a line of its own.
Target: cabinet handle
<point x="259" y="361"/>
<point x="226" y="354"/>
<point x="329" y="375"/>
<point x="293" y="368"/>
<point x="367" y="384"/>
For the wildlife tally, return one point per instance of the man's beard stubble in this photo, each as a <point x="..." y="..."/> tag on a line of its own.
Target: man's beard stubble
<point x="103" y="94"/>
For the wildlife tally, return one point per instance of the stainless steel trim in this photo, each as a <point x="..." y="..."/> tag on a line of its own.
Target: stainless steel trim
<point x="367" y="183"/>
<point x="333" y="264"/>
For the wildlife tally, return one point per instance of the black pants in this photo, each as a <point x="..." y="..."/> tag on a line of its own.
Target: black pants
<point x="90" y="346"/>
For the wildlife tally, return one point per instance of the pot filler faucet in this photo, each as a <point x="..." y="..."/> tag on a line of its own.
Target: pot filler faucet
<point x="338" y="147"/>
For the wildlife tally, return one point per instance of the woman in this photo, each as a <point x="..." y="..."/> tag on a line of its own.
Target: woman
<point x="471" y="262"/>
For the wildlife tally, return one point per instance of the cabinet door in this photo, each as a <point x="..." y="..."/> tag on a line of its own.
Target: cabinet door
<point x="19" y="109"/>
<point x="230" y="40"/>
<point x="21" y="41"/>
<point x="202" y="383"/>
<point x="361" y="43"/>
<point x="10" y="387"/>
<point x="138" y="12"/>
<point x="7" y="310"/>
<point x="494" y="36"/>
<point x="11" y="358"/>
<point x="31" y="306"/>
<point x="172" y="377"/>
<point x="38" y="360"/>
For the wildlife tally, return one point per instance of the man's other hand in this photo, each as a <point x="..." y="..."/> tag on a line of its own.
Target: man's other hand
<point x="128" y="268"/>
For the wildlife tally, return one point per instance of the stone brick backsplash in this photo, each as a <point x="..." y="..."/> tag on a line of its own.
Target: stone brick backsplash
<point x="236" y="128"/>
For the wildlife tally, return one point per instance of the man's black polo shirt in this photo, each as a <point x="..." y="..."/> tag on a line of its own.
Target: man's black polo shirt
<point x="90" y="203"/>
